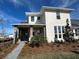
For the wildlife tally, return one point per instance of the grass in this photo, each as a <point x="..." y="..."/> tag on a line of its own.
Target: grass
<point x="47" y="52"/>
<point x="4" y="51"/>
<point x="6" y="46"/>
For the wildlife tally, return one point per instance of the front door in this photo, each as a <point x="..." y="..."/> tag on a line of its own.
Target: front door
<point x="24" y="35"/>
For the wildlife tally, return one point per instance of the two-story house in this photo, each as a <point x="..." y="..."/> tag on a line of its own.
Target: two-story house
<point x="49" y="22"/>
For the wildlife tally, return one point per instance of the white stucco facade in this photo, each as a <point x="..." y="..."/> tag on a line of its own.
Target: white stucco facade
<point x="48" y="17"/>
<point x="52" y="21"/>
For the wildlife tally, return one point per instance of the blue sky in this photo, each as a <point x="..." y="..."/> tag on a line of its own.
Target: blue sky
<point x="13" y="11"/>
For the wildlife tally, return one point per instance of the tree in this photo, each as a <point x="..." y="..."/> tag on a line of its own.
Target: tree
<point x="68" y="35"/>
<point x="2" y="30"/>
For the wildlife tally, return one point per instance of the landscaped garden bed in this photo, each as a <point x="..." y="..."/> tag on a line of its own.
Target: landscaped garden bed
<point x="50" y="51"/>
<point x="6" y="46"/>
<point x="6" y="50"/>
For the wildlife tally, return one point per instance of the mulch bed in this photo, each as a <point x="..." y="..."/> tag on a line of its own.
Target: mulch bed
<point x="47" y="48"/>
<point x="5" y="50"/>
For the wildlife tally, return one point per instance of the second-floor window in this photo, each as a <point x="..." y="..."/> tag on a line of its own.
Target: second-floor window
<point x="58" y="15"/>
<point x="38" y="18"/>
<point x="32" y="18"/>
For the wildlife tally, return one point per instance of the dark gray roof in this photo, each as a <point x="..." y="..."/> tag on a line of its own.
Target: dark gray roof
<point x="75" y="22"/>
<point x="56" y="8"/>
<point x="49" y="8"/>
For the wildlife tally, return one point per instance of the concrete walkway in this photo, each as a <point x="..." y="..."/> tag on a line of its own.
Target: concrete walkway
<point x="15" y="52"/>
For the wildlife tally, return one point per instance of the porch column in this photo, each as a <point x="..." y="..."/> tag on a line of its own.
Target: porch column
<point x="15" y="33"/>
<point x="44" y="31"/>
<point x="31" y="33"/>
<point x="18" y="35"/>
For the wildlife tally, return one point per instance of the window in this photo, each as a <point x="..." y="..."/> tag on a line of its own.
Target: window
<point x="55" y="36"/>
<point x="59" y="35"/>
<point x="55" y="29"/>
<point x="76" y="32"/>
<point x="62" y="29"/>
<point x="58" y="15"/>
<point x="38" y="18"/>
<point x="32" y="18"/>
<point x="59" y="29"/>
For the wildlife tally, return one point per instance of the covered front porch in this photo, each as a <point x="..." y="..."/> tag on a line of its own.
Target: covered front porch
<point x="26" y="32"/>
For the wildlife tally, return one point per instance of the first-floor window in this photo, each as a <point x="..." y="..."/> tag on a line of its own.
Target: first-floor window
<point x="59" y="35"/>
<point x="55" y="36"/>
<point x="59" y="31"/>
<point x="55" y="29"/>
<point x="63" y="28"/>
<point x="77" y="31"/>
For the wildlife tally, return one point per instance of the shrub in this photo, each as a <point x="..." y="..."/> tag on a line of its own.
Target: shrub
<point x="42" y="39"/>
<point x="58" y="45"/>
<point x="56" y="41"/>
<point x="59" y="41"/>
<point x="0" y="49"/>
<point x="37" y="40"/>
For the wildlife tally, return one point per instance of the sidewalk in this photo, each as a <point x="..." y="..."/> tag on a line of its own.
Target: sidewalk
<point x="15" y="52"/>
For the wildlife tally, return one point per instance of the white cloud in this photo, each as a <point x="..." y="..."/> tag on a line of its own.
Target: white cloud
<point x="16" y="3"/>
<point x="8" y="21"/>
<point x="8" y="18"/>
<point x="30" y="4"/>
<point x="66" y="3"/>
<point x="26" y="3"/>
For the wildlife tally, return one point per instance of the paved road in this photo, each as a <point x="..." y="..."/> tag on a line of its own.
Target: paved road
<point x="15" y="52"/>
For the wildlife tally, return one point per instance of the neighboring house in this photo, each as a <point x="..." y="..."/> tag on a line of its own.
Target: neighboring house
<point x="1" y="36"/>
<point x="49" y="22"/>
<point x="75" y="26"/>
<point x="10" y="36"/>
